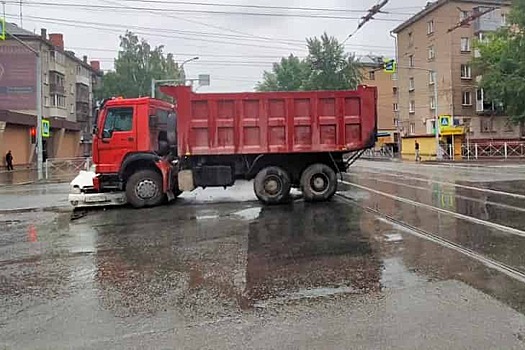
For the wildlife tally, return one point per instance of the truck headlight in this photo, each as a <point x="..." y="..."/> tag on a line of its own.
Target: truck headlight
<point x="75" y="190"/>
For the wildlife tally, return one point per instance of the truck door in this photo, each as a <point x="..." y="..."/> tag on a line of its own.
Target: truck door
<point x="118" y="138"/>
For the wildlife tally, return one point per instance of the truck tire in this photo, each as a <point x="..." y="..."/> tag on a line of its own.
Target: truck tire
<point x="144" y="189"/>
<point x="272" y="185"/>
<point x="319" y="183"/>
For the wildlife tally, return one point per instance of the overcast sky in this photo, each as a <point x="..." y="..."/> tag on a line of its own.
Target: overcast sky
<point x="234" y="49"/>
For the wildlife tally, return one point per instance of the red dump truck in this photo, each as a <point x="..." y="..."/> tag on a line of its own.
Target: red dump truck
<point x="148" y="151"/>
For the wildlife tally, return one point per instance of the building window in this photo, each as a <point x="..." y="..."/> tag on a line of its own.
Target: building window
<point x="431" y="52"/>
<point x="411" y="84"/>
<point x="431" y="78"/>
<point x="46" y="101"/>
<point x="466" y="98"/>
<point x="465" y="44"/>
<point x="411" y="61"/>
<point x="430" y="27"/>
<point x="466" y="71"/>
<point x="394" y="76"/>
<point x="372" y="75"/>
<point x="463" y="15"/>
<point x="412" y="128"/>
<point x="509" y="126"/>
<point x="410" y="39"/>
<point x="412" y="106"/>
<point x="46" y="78"/>
<point x="486" y="125"/>
<point x="503" y="19"/>
<point x="396" y="107"/>
<point x="58" y="101"/>
<point x="432" y="102"/>
<point x="394" y="91"/>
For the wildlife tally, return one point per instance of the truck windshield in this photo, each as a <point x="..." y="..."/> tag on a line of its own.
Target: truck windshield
<point x="118" y="119"/>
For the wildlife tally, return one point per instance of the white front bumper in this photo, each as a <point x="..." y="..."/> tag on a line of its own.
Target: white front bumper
<point x="83" y="200"/>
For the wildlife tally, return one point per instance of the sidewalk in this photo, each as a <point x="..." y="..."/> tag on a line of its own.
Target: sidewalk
<point x="34" y="197"/>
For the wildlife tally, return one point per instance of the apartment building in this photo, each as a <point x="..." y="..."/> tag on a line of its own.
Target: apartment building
<point x="430" y="57"/>
<point x="67" y="95"/>
<point x="374" y="75"/>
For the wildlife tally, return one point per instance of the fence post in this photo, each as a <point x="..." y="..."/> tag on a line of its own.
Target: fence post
<point x="88" y="163"/>
<point x="47" y="169"/>
<point x="450" y="155"/>
<point x="506" y="150"/>
<point x="476" y="150"/>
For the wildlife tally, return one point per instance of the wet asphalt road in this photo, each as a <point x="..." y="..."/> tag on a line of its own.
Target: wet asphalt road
<point x="408" y="259"/>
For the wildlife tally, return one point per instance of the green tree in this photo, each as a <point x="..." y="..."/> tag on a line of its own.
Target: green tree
<point x="136" y="65"/>
<point x="501" y="62"/>
<point x="330" y="68"/>
<point x="287" y="75"/>
<point x="327" y="67"/>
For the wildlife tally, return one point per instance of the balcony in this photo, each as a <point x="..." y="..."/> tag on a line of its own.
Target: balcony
<point x="57" y="89"/>
<point x="489" y="22"/>
<point x="81" y="79"/>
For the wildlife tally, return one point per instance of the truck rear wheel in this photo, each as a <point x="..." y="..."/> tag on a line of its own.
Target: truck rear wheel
<point x="272" y="185"/>
<point x="319" y="183"/>
<point x="144" y="189"/>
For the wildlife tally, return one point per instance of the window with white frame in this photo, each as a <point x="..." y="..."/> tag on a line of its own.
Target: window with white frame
<point x="396" y="107"/>
<point x="463" y="15"/>
<point x="431" y="78"/>
<point x="411" y="84"/>
<point x="411" y="61"/>
<point x="58" y="101"/>
<point x="412" y="106"/>
<point x="431" y="52"/>
<point x="410" y="39"/>
<point x="466" y="71"/>
<point x="412" y="128"/>
<point x="465" y="44"/>
<point x="466" y="99"/>
<point x="430" y="27"/>
<point x="372" y="75"/>
<point x="503" y="19"/>
<point x="432" y="102"/>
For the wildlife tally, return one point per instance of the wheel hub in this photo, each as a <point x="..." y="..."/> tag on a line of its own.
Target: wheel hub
<point x="146" y="189"/>
<point x="319" y="183"/>
<point x="272" y="186"/>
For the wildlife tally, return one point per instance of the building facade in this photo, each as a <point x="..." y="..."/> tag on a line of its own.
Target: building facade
<point x="434" y="58"/>
<point x="373" y="74"/>
<point x="67" y="95"/>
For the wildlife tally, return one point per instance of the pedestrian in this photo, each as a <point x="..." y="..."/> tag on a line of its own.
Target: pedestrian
<point x="9" y="161"/>
<point x="418" y="155"/>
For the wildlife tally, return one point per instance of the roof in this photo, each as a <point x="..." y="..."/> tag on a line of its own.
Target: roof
<point x="432" y="6"/>
<point x="370" y="60"/>
<point x="21" y="33"/>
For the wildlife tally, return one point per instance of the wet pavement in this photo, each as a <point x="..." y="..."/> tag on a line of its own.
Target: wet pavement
<point x="217" y="270"/>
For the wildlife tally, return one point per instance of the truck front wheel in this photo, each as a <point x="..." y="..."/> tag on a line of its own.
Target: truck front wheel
<point x="144" y="189"/>
<point x="319" y="183"/>
<point x="272" y="185"/>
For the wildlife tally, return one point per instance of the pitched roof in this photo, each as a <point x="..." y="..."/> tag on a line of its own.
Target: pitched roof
<point x="12" y="28"/>
<point x="431" y="6"/>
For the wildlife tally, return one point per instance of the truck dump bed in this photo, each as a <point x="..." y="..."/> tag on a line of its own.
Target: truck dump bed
<point x="274" y="122"/>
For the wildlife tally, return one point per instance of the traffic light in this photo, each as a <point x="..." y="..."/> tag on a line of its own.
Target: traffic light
<point x="32" y="133"/>
<point x="390" y="66"/>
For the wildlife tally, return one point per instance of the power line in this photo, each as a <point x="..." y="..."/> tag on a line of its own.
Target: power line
<point x="366" y="18"/>
<point x="164" y="10"/>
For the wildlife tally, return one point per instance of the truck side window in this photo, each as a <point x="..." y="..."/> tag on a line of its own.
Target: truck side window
<point x="118" y="119"/>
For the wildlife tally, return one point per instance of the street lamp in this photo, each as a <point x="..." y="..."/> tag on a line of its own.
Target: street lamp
<point x="39" y="143"/>
<point x="436" y="114"/>
<point x="155" y="81"/>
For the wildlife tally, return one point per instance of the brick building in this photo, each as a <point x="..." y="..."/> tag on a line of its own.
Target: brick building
<point x="67" y="96"/>
<point x="424" y="46"/>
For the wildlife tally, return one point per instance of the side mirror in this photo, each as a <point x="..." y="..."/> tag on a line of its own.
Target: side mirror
<point x="106" y="134"/>
<point x="95" y="130"/>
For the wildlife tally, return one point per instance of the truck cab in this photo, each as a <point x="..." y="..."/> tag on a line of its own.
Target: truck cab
<point x="133" y="136"/>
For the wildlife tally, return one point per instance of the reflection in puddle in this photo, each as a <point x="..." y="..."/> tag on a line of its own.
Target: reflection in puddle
<point x="248" y="214"/>
<point x="396" y="275"/>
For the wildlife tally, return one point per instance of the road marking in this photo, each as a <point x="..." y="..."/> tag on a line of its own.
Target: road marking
<point x="491" y="263"/>
<point x="503" y="228"/>
<point x="510" y="194"/>
<point x="506" y="206"/>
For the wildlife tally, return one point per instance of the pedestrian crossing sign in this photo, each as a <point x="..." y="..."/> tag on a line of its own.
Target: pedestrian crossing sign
<point x="444" y="121"/>
<point x="45" y="128"/>
<point x="2" y="28"/>
<point x="390" y="66"/>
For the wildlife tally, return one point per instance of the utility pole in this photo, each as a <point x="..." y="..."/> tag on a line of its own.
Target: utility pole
<point x="436" y="116"/>
<point x="183" y="79"/>
<point x="39" y="143"/>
